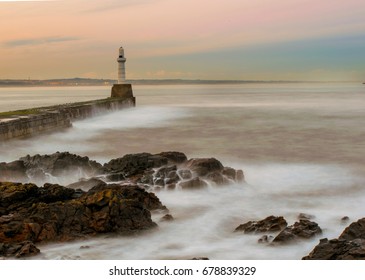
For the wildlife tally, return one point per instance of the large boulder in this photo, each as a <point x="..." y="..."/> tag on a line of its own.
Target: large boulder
<point x="193" y="184"/>
<point x="350" y="245"/>
<point x="269" y="224"/>
<point x="18" y="250"/>
<point x="103" y="209"/>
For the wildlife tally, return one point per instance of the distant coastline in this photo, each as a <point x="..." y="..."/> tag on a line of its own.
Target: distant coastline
<point x="108" y="82"/>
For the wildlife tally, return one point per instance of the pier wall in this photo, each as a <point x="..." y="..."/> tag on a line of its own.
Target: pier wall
<point x="58" y="117"/>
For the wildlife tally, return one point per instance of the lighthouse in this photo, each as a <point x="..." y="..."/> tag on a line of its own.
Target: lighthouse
<point x="121" y="66"/>
<point x="122" y="89"/>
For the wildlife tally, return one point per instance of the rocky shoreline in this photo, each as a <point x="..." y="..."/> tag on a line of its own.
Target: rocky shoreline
<point x="119" y="196"/>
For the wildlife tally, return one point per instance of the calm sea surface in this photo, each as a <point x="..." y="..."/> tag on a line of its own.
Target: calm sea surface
<point x="301" y="147"/>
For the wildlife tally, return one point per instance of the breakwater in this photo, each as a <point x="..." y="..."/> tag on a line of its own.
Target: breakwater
<point x="24" y="123"/>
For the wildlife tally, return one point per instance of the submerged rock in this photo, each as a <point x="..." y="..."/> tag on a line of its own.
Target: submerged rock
<point x="269" y="224"/>
<point x="349" y="246"/>
<point x="193" y="184"/>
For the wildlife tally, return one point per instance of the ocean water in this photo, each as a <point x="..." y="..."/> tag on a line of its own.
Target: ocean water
<point x="301" y="147"/>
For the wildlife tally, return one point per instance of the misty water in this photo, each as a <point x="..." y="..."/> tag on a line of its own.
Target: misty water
<point x="301" y="147"/>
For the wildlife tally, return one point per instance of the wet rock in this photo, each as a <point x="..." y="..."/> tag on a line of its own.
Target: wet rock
<point x="265" y="239"/>
<point x="350" y="245"/>
<point x="204" y="166"/>
<point x="269" y="224"/>
<point x="18" y="250"/>
<point x="167" y="218"/>
<point x="85" y="184"/>
<point x="185" y="174"/>
<point x="193" y="184"/>
<point x="170" y="186"/>
<point x="303" y="216"/>
<point x="218" y="178"/>
<point x="304" y="229"/>
<point x="200" y="259"/>
<point x="61" y="164"/>
<point x="103" y="209"/>
<point x="13" y="171"/>
<point x="338" y="249"/>
<point x="345" y="219"/>
<point x="14" y="196"/>
<point x="174" y="157"/>
<point x="230" y="173"/>
<point x="132" y="164"/>
<point x="84" y="247"/>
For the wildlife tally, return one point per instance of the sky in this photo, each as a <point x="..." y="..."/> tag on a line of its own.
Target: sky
<point x="294" y="40"/>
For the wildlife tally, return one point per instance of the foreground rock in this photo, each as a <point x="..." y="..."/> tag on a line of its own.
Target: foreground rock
<point x="349" y="246"/>
<point x="61" y="214"/>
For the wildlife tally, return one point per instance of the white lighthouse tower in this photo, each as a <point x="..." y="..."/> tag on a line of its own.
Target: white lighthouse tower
<point x="122" y="89"/>
<point x="121" y="66"/>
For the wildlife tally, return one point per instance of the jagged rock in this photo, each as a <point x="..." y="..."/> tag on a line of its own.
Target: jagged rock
<point x="230" y="173"/>
<point x="304" y="229"/>
<point x="61" y="164"/>
<point x="133" y="164"/>
<point x="85" y="184"/>
<point x="18" y="250"/>
<point x="269" y="224"/>
<point x="338" y="249"/>
<point x="174" y="157"/>
<point x="354" y="231"/>
<point x="103" y="209"/>
<point x="13" y="171"/>
<point x="204" y="166"/>
<point x="350" y="245"/>
<point x="193" y="184"/>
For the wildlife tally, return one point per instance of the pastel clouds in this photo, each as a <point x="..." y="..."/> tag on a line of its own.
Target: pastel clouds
<point x="84" y="30"/>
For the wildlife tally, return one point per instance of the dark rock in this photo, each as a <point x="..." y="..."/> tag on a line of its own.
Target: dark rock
<point x="18" y="250"/>
<point x="133" y="164"/>
<point x="304" y="229"/>
<point x="338" y="249"/>
<point x="85" y="184"/>
<point x="13" y="171"/>
<point x="354" y="231"/>
<point x="159" y="182"/>
<point x="167" y="218"/>
<point x="345" y="219"/>
<point x="230" y="173"/>
<point x="200" y="259"/>
<point x="193" y="184"/>
<point x="170" y="186"/>
<point x="265" y="239"/>
<point x="350" y="245"/>
<point x="218" y="178"/>
<point x="61" y="164"/>
<point x="84" y="247"/>
<point x="203" y="166"/>
<point x="269" y="224"/>
<point x="103" y="209"/>
<point x="303" y="216"/>
<point x="174" y="157"/>
<point x="185" y="174"/>
<point x="164" y="171"/>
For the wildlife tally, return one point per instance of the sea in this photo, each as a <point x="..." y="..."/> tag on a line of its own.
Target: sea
<point x="301" y="147"/>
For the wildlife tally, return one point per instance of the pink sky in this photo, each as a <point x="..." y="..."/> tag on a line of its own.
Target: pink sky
<point x="68" y="38"/>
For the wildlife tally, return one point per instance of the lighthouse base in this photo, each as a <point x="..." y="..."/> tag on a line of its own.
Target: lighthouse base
<point x="122" y="91"/>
